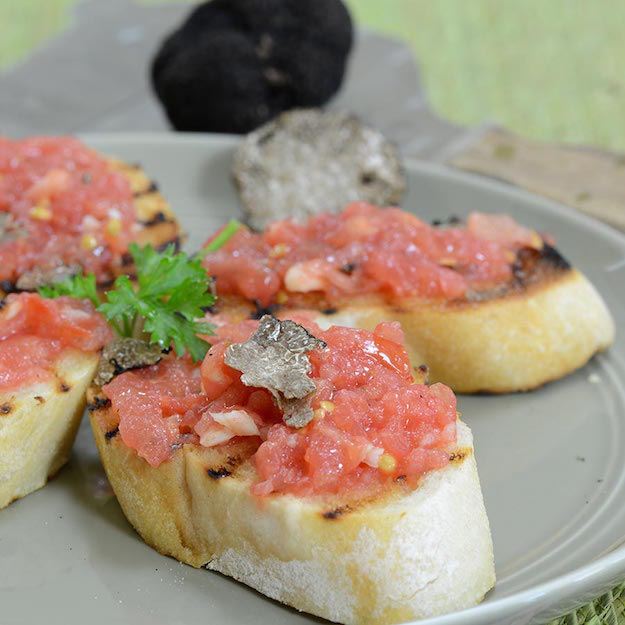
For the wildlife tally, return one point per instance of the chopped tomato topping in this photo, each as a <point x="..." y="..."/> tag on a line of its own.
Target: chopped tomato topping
<point x="66" y="205"/>
<point x="366" y="249"/>
<point x="158" y="406"/>
<point x="34" y="331"/>
<point x="372" y="423"/>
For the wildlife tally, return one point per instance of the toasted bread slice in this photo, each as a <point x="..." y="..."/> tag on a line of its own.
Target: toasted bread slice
<point x="406" y="555"/>
<point x="38" y="424"/>
<point x="547" y="323"/>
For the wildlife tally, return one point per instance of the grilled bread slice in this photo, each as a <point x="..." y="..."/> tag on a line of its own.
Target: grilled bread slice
<point x="406" y="555"/>
<point x="38" y="424"/>
<point x="547" y="323"/>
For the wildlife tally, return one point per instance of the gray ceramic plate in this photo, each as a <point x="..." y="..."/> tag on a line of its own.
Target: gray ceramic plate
<point x="551" y="462"/>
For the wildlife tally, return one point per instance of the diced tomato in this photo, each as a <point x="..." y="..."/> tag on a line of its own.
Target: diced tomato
<point x="67" y="205"/>
<point x="366" y="249"/>
<point x="25" y="360"/>
<point x="371" y="423"/>
<point x="143" y="399"/>
<point x="34" y="331"/>
<point x="217" y="376"/>
<point x="501" y="229"/>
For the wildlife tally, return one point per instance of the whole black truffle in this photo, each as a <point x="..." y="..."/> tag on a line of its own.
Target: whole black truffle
<point x="235" y="64"/>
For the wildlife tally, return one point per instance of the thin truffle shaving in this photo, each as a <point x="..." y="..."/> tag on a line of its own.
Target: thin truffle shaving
<point x="44" y="276"/>
<point x="9" y="229"/>
<point x="275" y="358"/>
<point x="124" y="354"/>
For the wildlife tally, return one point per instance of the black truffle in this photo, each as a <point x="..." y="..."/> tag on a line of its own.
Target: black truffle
<point x="235" y="64"/>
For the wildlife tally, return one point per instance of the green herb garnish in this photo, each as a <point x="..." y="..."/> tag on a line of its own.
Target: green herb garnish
<point x="171" y="292"/>
<point x="79" y="286"/>
<point x="227" y="232"/>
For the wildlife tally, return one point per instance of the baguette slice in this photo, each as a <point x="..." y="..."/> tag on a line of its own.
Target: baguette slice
<point x="410" y="554"/>
<point x="38" y="424"/>
<point x="545" y="325"/>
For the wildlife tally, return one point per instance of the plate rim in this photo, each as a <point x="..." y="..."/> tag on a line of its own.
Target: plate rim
<point x="598" y="573"/>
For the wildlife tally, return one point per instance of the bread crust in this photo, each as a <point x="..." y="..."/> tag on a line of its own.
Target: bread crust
<point x="38" y="425"/>
<point x="410" y="554"/>
<point x="157" y="222"/>
<point x="547" y="323"/>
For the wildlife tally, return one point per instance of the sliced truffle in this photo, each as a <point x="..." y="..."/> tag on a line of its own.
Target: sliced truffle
<point x="235" y="64"/>
<point x="45" y="276"/>
<point x="9" y="229"/>
<point x="124" y="354"/>
<point x="274" y="357"/>
<point x="306" y="162"/>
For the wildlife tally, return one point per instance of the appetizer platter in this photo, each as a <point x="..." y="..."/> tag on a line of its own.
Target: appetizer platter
<point x="327" y="537"/>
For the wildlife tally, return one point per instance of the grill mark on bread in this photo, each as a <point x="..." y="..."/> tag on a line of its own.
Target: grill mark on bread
<point x="64" y="387"/>
<point x="158" y="218"/>
<point x="98" y="403"/>
<point x="336" y="513"/>
<point x="6" y="408"/>
<point x="459" y="455"/>
<point x="225" y="469"/>
<point x="533" y="265"/>
<point x="111" y="433"/>
<point x="151" y="188"/>
<point x="217" y="474"/>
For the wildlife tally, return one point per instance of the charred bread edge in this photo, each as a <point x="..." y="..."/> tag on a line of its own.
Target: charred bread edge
<point x="38" y="425"/>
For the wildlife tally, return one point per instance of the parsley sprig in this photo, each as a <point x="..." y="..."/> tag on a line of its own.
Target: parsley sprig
<point x="171" y="292"/>
<point x="221" y="238"/>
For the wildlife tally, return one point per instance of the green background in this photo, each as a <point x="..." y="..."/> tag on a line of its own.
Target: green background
<point x="549" y="69"/>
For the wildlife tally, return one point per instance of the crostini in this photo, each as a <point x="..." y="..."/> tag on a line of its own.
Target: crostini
<point x="49" y="352"/>
<point x="488" y="305"/>
<point x="64" y="208"/>
<point x="309" y="465"/>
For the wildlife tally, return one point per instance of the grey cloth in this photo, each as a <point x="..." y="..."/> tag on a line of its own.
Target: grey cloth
<point x="94" y="77"/>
